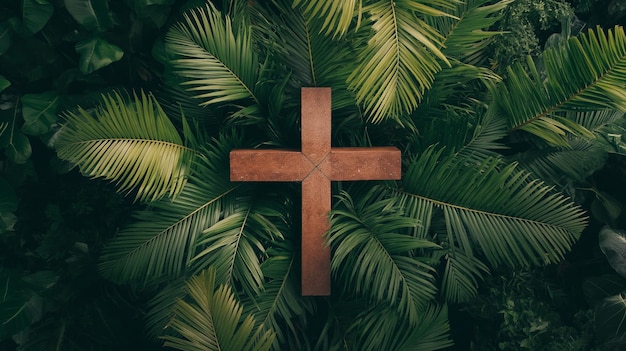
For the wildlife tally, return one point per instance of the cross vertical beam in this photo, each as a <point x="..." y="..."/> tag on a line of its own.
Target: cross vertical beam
<point x="315" y="166"/>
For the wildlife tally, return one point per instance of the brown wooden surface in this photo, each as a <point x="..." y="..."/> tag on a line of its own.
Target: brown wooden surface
<point x="315" y="166"/>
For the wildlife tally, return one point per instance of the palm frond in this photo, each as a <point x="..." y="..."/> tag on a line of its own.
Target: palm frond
<point x="234" y="244"/>
<point x="399" y="62"/>
<point x="160" y="243"/>
<point x="379" y="328"/>
<point x="465" y="35"/>
<point x="279" y="307"/>
<point x="371" y="244"/>
<point x="215" y="56"/>
<point x="582" y="73"/>
<point x="501" y="214"/>
<point x="559" y="165"/>
<point x="461" y="276"/>
<point x="338" y="15"/>
<point x="212" y="320"/>
<point x="132" y="143"/>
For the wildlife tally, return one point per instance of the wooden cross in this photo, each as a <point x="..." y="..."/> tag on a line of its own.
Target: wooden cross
<point x="315" y="166"/>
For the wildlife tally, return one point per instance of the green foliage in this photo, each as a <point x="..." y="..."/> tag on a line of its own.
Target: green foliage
<point x="520" y="311"/>
<point x="480" y="155"/>
<point x="212" y="320"/>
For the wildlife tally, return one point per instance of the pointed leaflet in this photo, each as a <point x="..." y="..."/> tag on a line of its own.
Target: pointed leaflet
<point x="130" y="142"/>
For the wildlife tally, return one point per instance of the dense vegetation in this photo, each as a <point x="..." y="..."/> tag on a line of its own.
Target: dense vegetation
<point x="509" y="115"/>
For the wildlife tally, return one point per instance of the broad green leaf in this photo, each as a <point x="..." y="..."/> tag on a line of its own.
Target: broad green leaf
<point x="6" y="35"/>
<point x="19" y="307"/>
<point x="97" y="53"/>
<point x="4" y="83"/>
<point x="8" y="204"/>
<point x="18" y="150"/>
<point x="91" y="14"/>
<point x="36" y="13"/>
<point x="39" y="112"/>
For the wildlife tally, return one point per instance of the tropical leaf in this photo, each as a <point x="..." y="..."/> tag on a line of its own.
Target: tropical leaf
<point x="4" y="83"/>
<point x="461" y="276"/>
<point x="161" y="243"/>
<point x="379" y="328"/>
<point x="337" y="15"/>
<point x="562" y="165"/>
<point x="400" y="60"/>
<point x="214" y="56"/>
<point x="610" y="322"/>
<point x="501" y="214"/>
<point x="212" y="320"/>
<point x="96" y="53"/>
<point x="39" y="112"/>
<point x="91" y="14"/>
<point x="36" y="13"/>
<point x="279" y="307"/>
<point x="234" y="244"/>
<point x="371" y="244"/>
<point x="466" y="35"/>
<point x="583" y="73"/>
<point x="6" y="36"/>
<point x="132" y="143"/>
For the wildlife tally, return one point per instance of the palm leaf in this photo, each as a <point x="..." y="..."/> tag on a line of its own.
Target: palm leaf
<point x="465" y="37"/>
<point x="586" y="72"/>
<point x="369" y="247"/>
<point x="215" y="56"/>
<point x="337" y="15"/>
<point x="379" y="328"/>
<point x="502" y="215"/>
<point x="559" y="165"/>
<point x="279" y="307"/>
<point x="160" y="243"/>
<point x="400" y="60"/>
<point x="133" y="144"/>
<point x="461" y="276"/>
<point x="234" y="244"/>
<point x="212" y="320"/>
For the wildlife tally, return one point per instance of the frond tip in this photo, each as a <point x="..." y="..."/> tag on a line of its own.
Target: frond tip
<point x="132" y="143"/>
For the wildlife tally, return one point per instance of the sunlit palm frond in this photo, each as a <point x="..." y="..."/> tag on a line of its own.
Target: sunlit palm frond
<point x="132" y="143"/>
<point x="215" y="56"/>
<point x="160" y="243"/>
<point x="500" y="214"/>
<point x="400" y="59"/>
<point x="212" y="320"/>
<point x="466" y="35"/>
<point x="338" y="15"/>
<point x="371" y="244"/>
<point x="582" y="73"/>
<point x="379" y="328"/>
